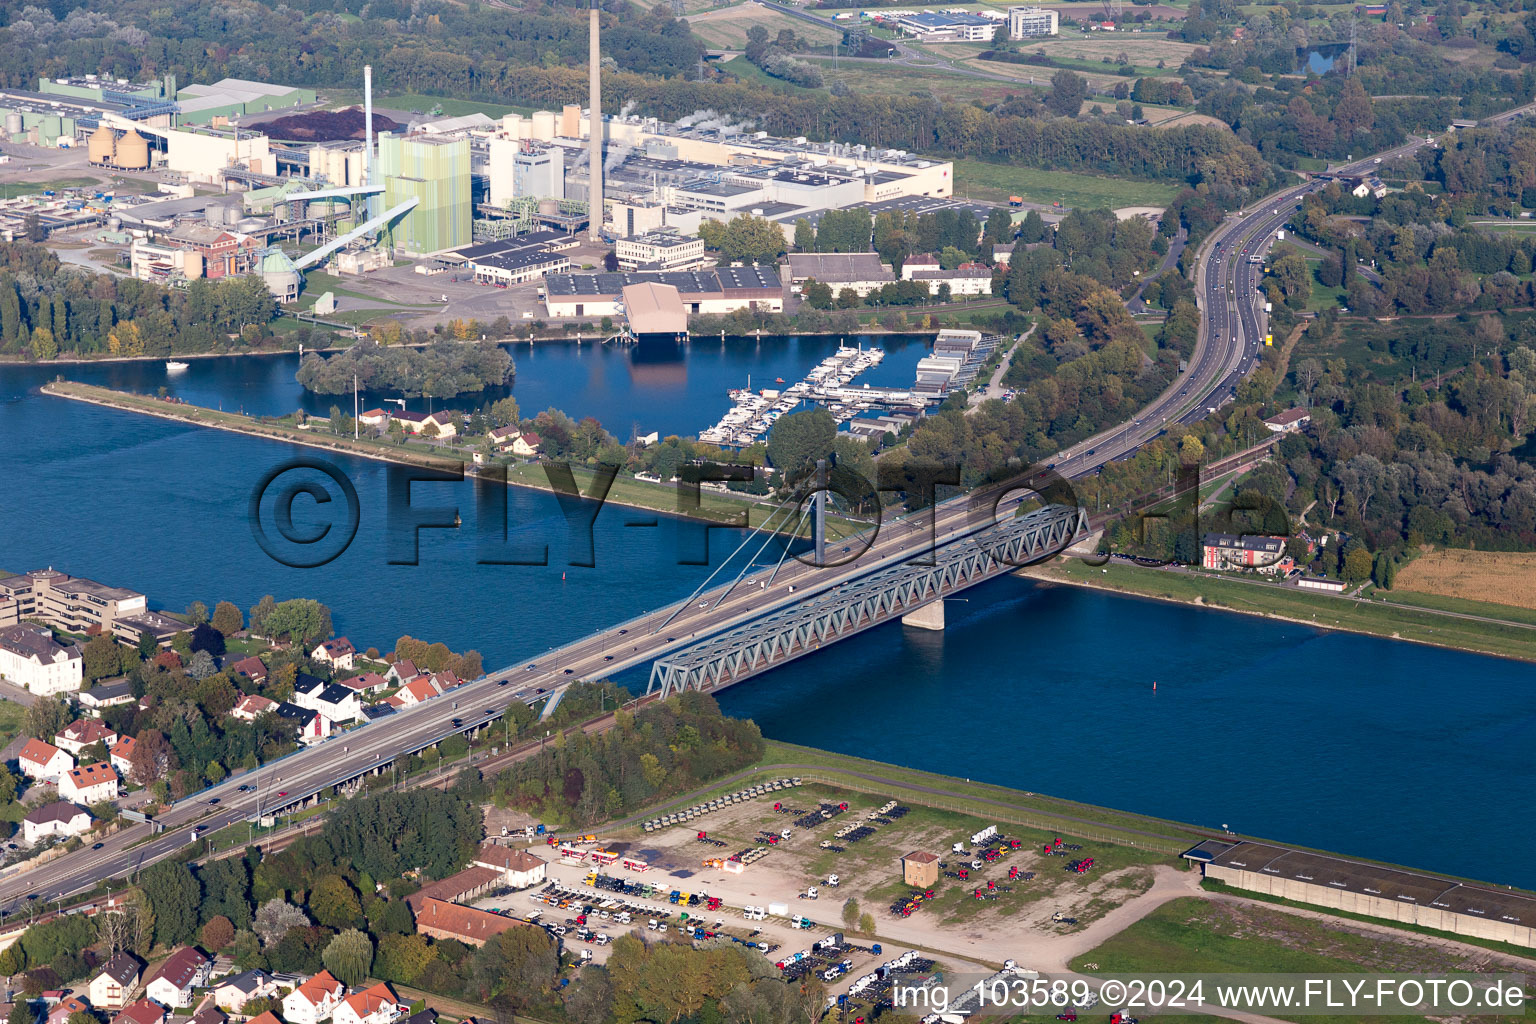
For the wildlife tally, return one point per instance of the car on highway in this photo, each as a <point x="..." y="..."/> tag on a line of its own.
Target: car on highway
<point x="243" y="789"/>
<point x="502" y="683"/>
<point x="282" y="792"/>
<point x="569" y="671"/>
<point x="607" y="657"/>
<point x="98" y="846"/>
<point x="213" y="801"/>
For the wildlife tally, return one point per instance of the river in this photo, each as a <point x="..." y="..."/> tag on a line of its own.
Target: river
<point x="1350" y="743"/>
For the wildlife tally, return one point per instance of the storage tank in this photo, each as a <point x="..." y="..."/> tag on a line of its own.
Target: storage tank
<point x="544" y="125"/>
<point x="215" y="214"/>
<point x="133" y="152"/>
<point x="13" y="124"/>
<point x="99" y="147"/>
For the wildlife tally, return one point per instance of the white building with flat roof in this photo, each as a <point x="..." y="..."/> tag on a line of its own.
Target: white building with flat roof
<point x="1031" y="22"/>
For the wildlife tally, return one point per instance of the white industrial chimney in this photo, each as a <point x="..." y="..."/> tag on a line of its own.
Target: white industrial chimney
<point x="594" y="131"/>
<point x="367" y="124"/>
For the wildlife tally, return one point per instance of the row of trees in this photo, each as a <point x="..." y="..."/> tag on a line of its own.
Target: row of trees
<point x="442" y="370"/>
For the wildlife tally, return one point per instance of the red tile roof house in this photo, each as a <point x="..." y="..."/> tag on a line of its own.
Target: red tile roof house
<point x="313" y="1001"/>
<point x="253" y="707"/>
<point x="66" y="1006"/>
<point x="337" y="653"/>
<point x="89" y="784"/>
<point x="376" y="1004"/>
<point x="368" y="682"/>
<point x="122" y="756"/>
<point x="417" y="690"/>
<point x="141" y="1012"/>
<point x="172" y="984"/>
<point x="402" y="671"/>
<point x="81" y="734"/>
<point x="252" y="668"/>
<point x="40" y="760"/>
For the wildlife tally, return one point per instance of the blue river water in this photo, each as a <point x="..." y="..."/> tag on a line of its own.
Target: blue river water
<point x="1371" y="747"/>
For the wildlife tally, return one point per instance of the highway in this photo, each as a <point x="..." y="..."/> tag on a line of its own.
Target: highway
<point x="1227" y="347"/>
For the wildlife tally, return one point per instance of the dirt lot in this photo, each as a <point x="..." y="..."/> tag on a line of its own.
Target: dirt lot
<point x="1498" y="576"/>
<point x="726" y="28"/>
<point x="869" y="871"/>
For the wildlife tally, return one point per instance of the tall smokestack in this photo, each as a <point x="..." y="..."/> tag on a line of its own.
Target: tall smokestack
<point x="594" y="131"/>
<point x="368" y="124"/>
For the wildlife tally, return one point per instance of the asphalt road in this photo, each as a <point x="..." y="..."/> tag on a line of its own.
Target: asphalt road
<point x="1227" y="347"/>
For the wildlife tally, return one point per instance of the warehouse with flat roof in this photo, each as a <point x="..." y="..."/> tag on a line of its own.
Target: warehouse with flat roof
<point x="1374" y="890"/>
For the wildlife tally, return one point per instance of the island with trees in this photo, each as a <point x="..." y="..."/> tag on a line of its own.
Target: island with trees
<point x="441" y="370"/>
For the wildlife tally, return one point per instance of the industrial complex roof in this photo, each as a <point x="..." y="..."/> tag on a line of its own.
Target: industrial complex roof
<point x="655" y="308"/>
<point x="688" y="282"/>
<point x="1369" y="879"/>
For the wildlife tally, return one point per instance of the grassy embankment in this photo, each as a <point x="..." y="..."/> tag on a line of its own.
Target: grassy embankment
<point x="713" y="506"/>
<point x="981" y="179"/>
<point x="1505" y="636"/>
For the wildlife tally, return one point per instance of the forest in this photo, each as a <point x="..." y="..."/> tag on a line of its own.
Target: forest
<point x="657" y="751"/>
<point x="49" y="309"/>
<point x="441" y="370"/>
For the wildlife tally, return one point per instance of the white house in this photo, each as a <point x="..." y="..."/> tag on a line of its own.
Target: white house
<point x="333" y="700"/>
<point x="43" y="761"/>
<point x="417" y="690"/>
<point x="235" y="990"/>
<point x="59" y="818"/>
<point x="89" y="784"/>
<point x="171" y="986"/>
<point x="1288" y="422"/>
<point x="337" y="653"/>
<point x="368" y="682"/>
<point x="32" y="659"/>
<point x="376" y="1004"/>
<point x="519" y="868"/>
<point x="253" y="707"/>
<point x="112" y="986"/>
<point x="373" y="418"/>
<point x="106" y="695"/>
<point x="312" y="726"/>
<point x="313" y="1001"/>
<point x="79" y="735"/>
<point x="402" y="671"/>
<point x="122" y="756"/>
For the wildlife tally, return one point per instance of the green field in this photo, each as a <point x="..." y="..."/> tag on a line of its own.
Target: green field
<point x="12" y="189"/>
<point x="979" y="179"/>
<point x="1459" y="605"/>
<point x="1319" y="609"/>
<point x="12" y="716"/>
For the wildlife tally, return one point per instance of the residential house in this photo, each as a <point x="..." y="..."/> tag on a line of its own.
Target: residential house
<point x="252" y="707"/>
<point x="368" y="682"/>
<point x="446" y="422"/>
<point x="526" y="445"/>
<point x="966" y="279"/>
<point x="249" y="668"/>
<point x="1289" y="422"/>
<point x="141" y="1012"/>
<point x="171" y="986"/>
<point x="518" y="868"/>
<point x="111" y="987"/>
<point x="1002" y="253"/>
<point x="313" y="1001"/>
<point x="312" y="726"/>
<point x="440" y="919"/>
<point x="235" y="990"/>
<point x="376" y="1004"/>
<point x="1229" y="551"/>
<point x="334" y="701"/>
<point x="401" y="672"/>
<point x="501" y="438"/>
<point x="89" y="784"/>
<point x="59" y="818"/>
<point x="81" y="734"/>
<point x="336" y="653"/>
<point x="43" y="761"/>
<point x="106" y="695"/>
<point x="429" y="1016"/>
<point x="373" y="418"/>
<point x="267" y="1018"/>
<point x="417" y="690"/>
<point x="31" y="658"/>
<point x="60" y="1011"/>
<point x="433" y="424"/>
<point x="445" y="681"/>
<point x="209" y="1015"/>
<point x="122" y="756"/>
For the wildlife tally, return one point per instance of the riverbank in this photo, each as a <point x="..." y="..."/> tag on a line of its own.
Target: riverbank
<point x="1504" y="638"/>
<point x="626" y="490"/>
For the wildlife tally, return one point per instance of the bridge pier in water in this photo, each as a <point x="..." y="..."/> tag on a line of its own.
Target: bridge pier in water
<point x="929" y="616"/>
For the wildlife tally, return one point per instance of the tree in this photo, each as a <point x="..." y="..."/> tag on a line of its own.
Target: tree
<point x="302" y="621"/>
<point x="264" y="607"/>
<point x="867" y="923"/>
<point x="152" y="757"/>
<point x="799" y="439"/>
<point x="227" y="618"/>
<point x="47" y="718"/>
<point x="21" y="1009"/>
<point x="850" y="913"/>
<point x="818" y="294"/>
<point x="1067" y="94"/>
<point x="745" y="239"/>
<point x="148" y="646"/>
<point x="334" y="903"/>
<point x="197" y="613"/>
<point x="7" y="786"/>
<point x="1357" y="566"/>
<point x="805" y="235"/>
<point x="589" y="999"/>
<point x="201" y="665"/>
<point x="519" y="964"/>
<point x="217" y="934"/>
<point x="101" y="657"/>
<point x="173" y="897"/>
<point x="1385" y="570"/>
<point x="349" y="956"/>
<point x="1032" y="228"/>
<point x="274" y="918"/>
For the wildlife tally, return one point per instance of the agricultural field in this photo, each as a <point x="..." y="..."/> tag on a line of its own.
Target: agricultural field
<point x="1143" y="49"/>
<point x="1499" y="577"/>
<point x="903" y="80"/>
<point x="725" y="28"/>
<point x="978" y="179"/>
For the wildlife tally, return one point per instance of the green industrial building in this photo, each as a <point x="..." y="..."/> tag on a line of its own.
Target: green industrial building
<point x="236" y="97"/>
<point x="434" y="171"/>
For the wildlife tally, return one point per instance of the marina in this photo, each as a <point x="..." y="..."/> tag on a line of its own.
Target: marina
<point x="829" y="383"/>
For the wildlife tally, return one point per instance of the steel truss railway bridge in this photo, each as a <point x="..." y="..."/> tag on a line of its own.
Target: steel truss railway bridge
<point x="910" y="590"/>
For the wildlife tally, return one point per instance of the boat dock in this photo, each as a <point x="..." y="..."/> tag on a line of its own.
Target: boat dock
<point x="828" y="384"/>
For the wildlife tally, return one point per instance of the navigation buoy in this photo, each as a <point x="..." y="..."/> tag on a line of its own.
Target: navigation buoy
<point x="562" y="577"/>
<point x="1154" y="686"/>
